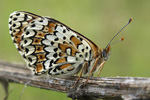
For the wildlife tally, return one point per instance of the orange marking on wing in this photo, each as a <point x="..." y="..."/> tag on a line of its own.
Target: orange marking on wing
<point x="60" y="60"/>
<point x="17" y="36"/>
<point x="17" y="39"/>
<point x="65" y="66"/>
<point x="62" y="54"/>
<point x="63" y="47"/>
<point x="36" y="41"/>
<point x="51" y="25"/>
<point x="65" y="43"/>
<point x="50" y="30"/>
<point x="75" y="41"/>
<point x="40" y="34"/>
<point x="39" y="67"/>
<point x="41" y="57"/>
<point x="39" y="49"/>
<point x="18" y="33"/>
<point x="71" y="68"/>
<point x="74" y="51"/>
<point x="30" y="20"/>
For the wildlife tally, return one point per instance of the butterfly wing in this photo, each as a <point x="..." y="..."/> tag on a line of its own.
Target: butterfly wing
<point x="48" y="45"/>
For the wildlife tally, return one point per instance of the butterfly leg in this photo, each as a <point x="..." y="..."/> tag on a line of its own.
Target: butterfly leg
<point x="101" y="67"/>
<point x="93" y="68"/>
<point x="84" y="66"/>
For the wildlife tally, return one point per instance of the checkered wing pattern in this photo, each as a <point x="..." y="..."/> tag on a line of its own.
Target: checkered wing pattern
<point x="49" y="46"/>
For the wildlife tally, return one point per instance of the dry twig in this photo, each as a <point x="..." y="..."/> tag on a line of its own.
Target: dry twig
<point x="110" y="88"/>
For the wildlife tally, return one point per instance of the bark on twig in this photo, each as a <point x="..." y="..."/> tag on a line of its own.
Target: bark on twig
<point x="110" y="88"/>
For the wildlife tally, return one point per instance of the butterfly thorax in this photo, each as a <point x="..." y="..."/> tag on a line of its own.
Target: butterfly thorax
<point x="98" y="62"/>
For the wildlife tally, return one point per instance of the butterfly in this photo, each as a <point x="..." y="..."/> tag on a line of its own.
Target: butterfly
<point x="51" y="47"/>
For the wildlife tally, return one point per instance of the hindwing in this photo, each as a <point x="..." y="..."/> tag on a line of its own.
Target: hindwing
<point x="48" y="45"/>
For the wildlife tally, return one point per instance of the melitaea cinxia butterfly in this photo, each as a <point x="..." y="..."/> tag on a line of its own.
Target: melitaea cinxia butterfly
<point x="49" y="46"/>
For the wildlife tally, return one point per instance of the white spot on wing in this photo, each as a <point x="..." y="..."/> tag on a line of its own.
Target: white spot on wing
<point x="46" y="42"/>
<point x="50" y="49"/>
<point x="50" y="55"/>
<point x="26" y="42"/>
<point x="33" y="59"/>
<point x="51" y="37"/>
<point x="47" y="64"/>
<point x="71" y="59"/>
<point x="59" y="29"/>
<point x="38" y="21"/>
<point x="59" y="35"/>
<point x="68" y="50"/>
<point x="31" y="33"/>
<point x="80" y="47"/>
<point x="17" y="24"/>
<point x="36" y="27"/>
<point x="30" y="49"/>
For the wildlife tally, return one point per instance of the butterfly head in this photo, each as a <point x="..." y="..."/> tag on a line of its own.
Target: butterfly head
<point x="106" y="53"/>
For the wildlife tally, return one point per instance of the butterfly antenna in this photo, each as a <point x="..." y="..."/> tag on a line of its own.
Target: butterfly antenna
<point x="122" y="38"/>
<point x="119" y="32"/>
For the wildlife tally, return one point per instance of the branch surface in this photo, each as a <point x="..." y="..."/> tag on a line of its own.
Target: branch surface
<point x="110" y="88"/>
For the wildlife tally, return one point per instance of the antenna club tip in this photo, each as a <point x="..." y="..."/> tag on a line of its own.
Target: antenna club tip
<point x="130" y="20"/>
<point x="122" y="38"/>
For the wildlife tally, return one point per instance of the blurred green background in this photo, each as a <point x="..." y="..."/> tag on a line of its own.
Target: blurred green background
<point x="98" y="20"/>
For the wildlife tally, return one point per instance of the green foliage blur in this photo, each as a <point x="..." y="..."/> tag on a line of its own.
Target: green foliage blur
<point x="98" y="20"/>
